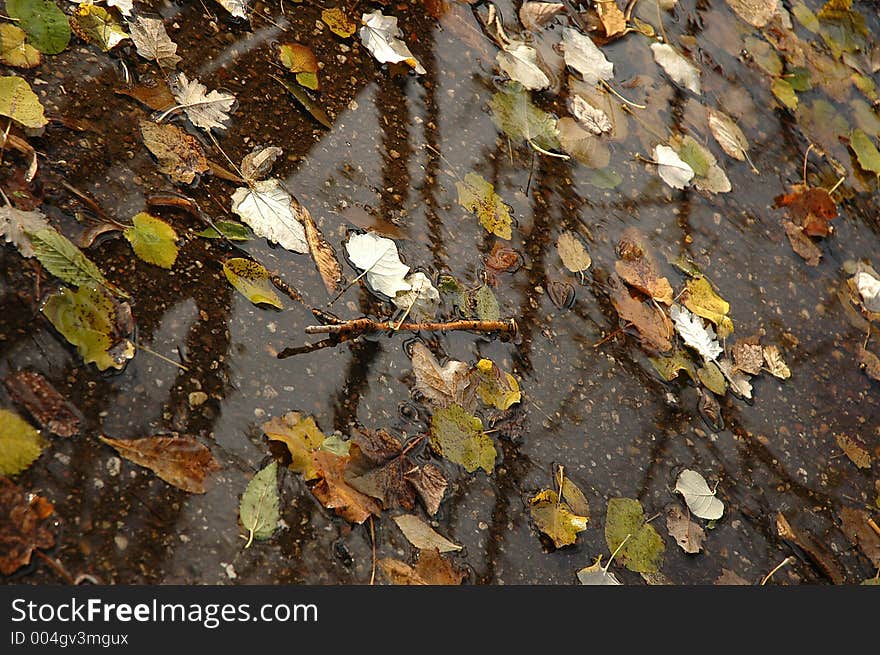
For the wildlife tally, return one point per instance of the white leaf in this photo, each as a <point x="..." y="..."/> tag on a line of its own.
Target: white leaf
<point x="699" y="497"/>
<point x="677" y="67"/>
<point x="379" y="35"/>
<point x="265" y="206"/>
<point x="153" y="42"/>
<point x="378" y="256"/>
<point x="441" y="385"/>
<point x="421" y="300"/>
<point x="869" y="290"/>
<point x="597" y="575"/>
<point x="585" y="57"/>
<point x="15" y="223"/>
<point x="739" y="381"/>
<point x="520" y="62"/>
<point x="237" y="8"/>
<point x="533" y="15"/>
<point x="594" y="119"/>
<point x="205" y="110"/>
<point x="671" y="168"/>
<point x="695" y="334"/>
<point x="421" y="535"/>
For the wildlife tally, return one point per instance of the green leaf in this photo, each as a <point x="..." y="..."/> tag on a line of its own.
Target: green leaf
<point x="643" y="549"/>
<point x="458" y="436"/>
<point x="89" y="318"/>
<point x="514" y="114"/>
<point x="712" y="378"/>
<point x="486" y="304"/>
<point x="63" y="259"/>
<point x="251" y="280"/>
<point x="866" y="151"/>
<point x="799" y="79"/>
<point x="230" y="229"/>
<point x="477" y="195"/>
<point x="668" y="367"/>
<point x="496" y="388"/>
<point x="19" y="103"/>
<point x="302" y="437"/>
<point x="20" y="443"/>
<point x="784" y="93"/>
<point x="153" y="240"/>
<point x="605" y="178"/>
<point x="306" y="101"/>
<point x="46" y="25"/>
<point x="555" y="518"/>
<point x="97" y="25"/>
<point x="805" y="17"/>
<point x="258" y="510"/>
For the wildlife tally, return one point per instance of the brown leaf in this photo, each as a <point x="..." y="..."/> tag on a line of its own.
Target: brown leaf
<point x="638" y="268"/>
<point x="612" y="18"/>
<point x="21" y="528"/>
<point x="747" y="357"/>
<point x="809" y="208"/>
<point x="334" y="492"/>
<point x="376" y="446"/>
<point x="815" y="551"/>
<point x="181" y="461"/>
<point x="857" y="528"/>
<point x="154" y="93"/>
<point x="430" y="483"/>
<point x="686" y="533"/>
<point x="452" y="383"/>
<point x="501" y="260"/>
<point x="855" y="450"/>
<point x="802" y="244"/>
<point x="388" y="484"/>
<point x="431" y="569"/>
<point x="48" y="407"/>
<point x="869" y="362"/>
<point x="654" y="327"/>
<point x="728" y="577"/>
<point x="322" y="252"/>
<point x="180" y="155"/>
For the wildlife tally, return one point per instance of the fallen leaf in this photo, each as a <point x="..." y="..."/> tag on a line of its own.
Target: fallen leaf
<point x="236" y="8"/>
<point x="534" y="15"/>
<point x="420" y="301"/>
<point x="431" y="569"/>
<point x="612" y="18"/>
<point x="636" y="542"/>
<point x="695" y="334"/>
<point x="501" y="260"/>
<point x="699" y="497"/>
<point x="322" y="252"/>
<point x="338" y="22"/>
<point x="42" y="401"/>
<point x="97" y="25"/>
<point x="784" y="92"/>
<point x="95" y="323"/>
<point x="13" y="49"/>
<point x="712" y="378"/>
<point x="267" y="208"/>
<point x="855" y="450"/>
<point x="708" y="175"/>
<point x="669" y="367"/>
<point x="179" y="154"/>
<point x="555" y="519"/>
<point x="686" y="533"/>
<point x="181" y="461"/>
<point x="258" y="510"/>
<point x="230" y="229"/>
<point x="334" y="492"/>
<point x="423" y="536"/>
<point x="23" y="527"/>
<point x="20" y="444"/>
<point x="810" y="208"/>
<point x="868" y="287"/>
<point x="775" y="364"/>
<point x="597" y="574"/>
<point x="380" y="35"/>
<point x="378" y="258"/>
<point x="258" y="163"/>
<point x="520" y="62"/>
<point x="702" y="300"/>
<point x="152" y="41"/>
<point x="730" y="578"/>
<point x="729" y="136"/>
<point x="854" y="523"/>
<point x="153" y="240"/>
<point x="869" y="362"/>
<point x="514" y="114"/>
<point x="585" y="57"/>
<point x="64" y="260"/>
<point x="15" y="225"/>
<point x="477" y="195"/>
<point x="679" y="69"/>
<point x="638" y="268"/>
<point x="595" y="120"/>
<point x="671" y="168"/>
<point x="573" y="253"/>
<point x="46" y="25"/>
<point x="748" y="357"/>
<point x="302" y="437"/>
<point x="572" y="494"/>
<point x="653" y="326"/>
<point x="484" y="304"/>
<point x="458" y="436"/>
<point x="866" y="151"/>
<point x="154" y="93"/>
<point x="251" y="279"/>
<point x="305" y="100"/>
<point x="739" y="383"/>
<point x="495" y="387"/>
<point x="205" y="110"/>
<point x="802" y="244"/>
<point x="450" y="384"/>
<point x="756" y="13"/>
<point x="300" y="60"/>
<point x="816" y="551"/>
<point x="584" y="146"/>
<point x="19" y="103"/>
<point x="430" y="483"/>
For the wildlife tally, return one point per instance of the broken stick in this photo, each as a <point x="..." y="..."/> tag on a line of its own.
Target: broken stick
<point x="364" y="325"/>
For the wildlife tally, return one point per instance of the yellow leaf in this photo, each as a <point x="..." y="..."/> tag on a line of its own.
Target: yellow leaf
<point x="555" y="518"/>
<point x="19" y="103"/>
<point x="497" y="388"/>
<point x="153" y="240"/>
<point x="702" y="300"/>
<point x="96" y="25"/>
<point x="14" y="51"/>
<point x="458" y="436"/>
<point x="251" y="280"/>
<point x="20" y="444"/>
<point x="477" y="195"/>
<point x="338" y="22"/>
<point x="302" y="437"/>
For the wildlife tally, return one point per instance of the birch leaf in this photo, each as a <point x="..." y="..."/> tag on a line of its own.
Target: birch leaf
<point x="251" y="280"/>
<point x="46" y="25"/>
<point x="153" y="240"/>
<point x="423" y="536"/>
<point x="703" y="301"/>
<point x="300" y="60"/>
<point x="671" y="168"/>
<point x="380" y="35"/>
<point x="15" y="225"/>
<point x="519" y="61"/>
<point x="97" y="25"/>
<point x="694" y="333"/>
<point x="585" y="57"/>
<point x="13" y="49"/>
<point x="258" y="510"/>
<point x="597" y="575"/>
<point x="441" y="385"/>
<point x="636" y="542"/>
<point x="20" y="443"/>
<point x="699" y="498"/>
<point x="322" y="252"/>
<point x="152" y="41"/>
<point x="496" y="388"/>
<point x="514" y="113"/>
<point x="206" y="110"/>
<point x="775" y="364"/>
<point x="421" y="300"/>
<point x="686" y="533"/>
<point x="573" y="254"/>
<point x="376" y="255"/>
<point x="266" y="207"/>
<point x="679" y="69"/>
<point x="554" y="518"/>
<point x="728" y="135"/>
<point x="19" y="103"/>
<point x="458" y="436"/>
<point x="477" y="195"/>
<point x="534" y="15"/>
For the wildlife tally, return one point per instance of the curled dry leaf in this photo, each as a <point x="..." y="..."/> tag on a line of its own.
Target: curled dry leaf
<point x="638" y="268"/>
<point x="748" y="357"/>
<point x="181" y="461"/>
<point x="179" y="154"/>
<point x="686" y="533"/>
<point x="258" y="163"/>
<point x="423" y="536"/>
<point x="775" y="364"/>
<point x="431" y="569"/>
<point x="42" y="401"/>
<point x="23" y="527"/>
<point x="612" y="18"/>
<point x="334" y="492"/>
<point x="322" y="252"/>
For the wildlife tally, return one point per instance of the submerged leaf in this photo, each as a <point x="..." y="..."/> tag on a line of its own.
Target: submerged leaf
<point x="520" y="62"/>
<point x="653" y="326"/>
<point x="423" y="536"/>
<point x="181" y="461"/>
<point x="728" y="135"/>
<point x="477" y="195"/>
<point x="19" y="103"/>
<point x="20" y="444"/>
<point x="179" y="154"/>
<point x="153" y="240"/>
<point x="679" y="69"/>
<point x="573" y="253"/>
<point x="635" y="542"/>
<point x="42" y="401"/>
<point x="514" y="114"/>
<point x="258" y="509"/>
<point x="585" y="57"/>
<point x="699" y="497"/>
<point x="431" y="569"/>
<point x="638" y="267"/>
<point x="458" y="436"/>
<point x="420" y="301"/>
<point x="251" y="279"/>
<point x="866" y="151"/>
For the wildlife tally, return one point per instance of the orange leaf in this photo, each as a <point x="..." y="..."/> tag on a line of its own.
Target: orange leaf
<point x="180" y="461"/>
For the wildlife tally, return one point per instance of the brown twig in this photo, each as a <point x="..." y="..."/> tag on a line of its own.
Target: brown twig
<point x="291" y="293"/>
<point x="365" y="325"/>
<point x="874" y="526"/>
<point x="56" y="566"/>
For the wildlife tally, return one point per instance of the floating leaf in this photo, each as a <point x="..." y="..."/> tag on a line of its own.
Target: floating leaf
<point x="153" y="240"/>
<point x="756" y="13"/>
<point x="686" y="533"/>
<point x="638" y="267"/>
<point x="19" y="103"/>
<point x="441" y="385"/>
<point x="42" y="401"/>
<point x="573" y="254"/>
<point x="748" y="357"/>
<point x="679" y="69"/>
<point x="20" y="444"/>
<point x="179" y="154"/>
<point x="866" y="151"/>
<point x="775" y="364"/>
<point x="555" y="519"/>
<point x="458" y="436"/>
<point x="496" y="388"/>
<point x="236" y="8"/>
<point x="322" y="252"/>
<point x="784" y="92"/>
<point x="594" y="119"/>
<point x="699" y="497"/>
<point x="486" y="304"/>
<point x="605" y="178"/>
<point x="612" y="18"/>
<point x="712" y="378"/>
<point x="229" y="229"/>
<point x="869" y="362"/>
<point x="258" y="163"/>
<point x="855" y="524"/>
<point x="23" y="526"/>
<point x="811" y="208"/>
<point x="694" y="333"/>
<point x="729" y="136"/>
<point x="668" y="367"/>
<point x="266" y="207"/>
<point x="802" y="244"/>
<point x="708" y="175"/>
<point x="64" y="260"/>
<point x="251" y="279"/>
<point x="421" y="300"/>
<point x="154" y="93"/>
<point x="258" y="510"/>
<point x="636" y="542"/>
<point x="703" y="301"/>
<point x="587" y="148"/>
<point x="653" y="326"/>
<point x="14" y="51"/>
<point x="378" y="256"/>
<point x="477" y="195"/>
<point x="514" y="114"/>
<point x="423" y="536"/>
<point x="431" y="569"/>
<point x="206" y="110"/>
<point x="597" y="574"/>
<point x="181" y="461"/>
<point x="380" y="35"/>
<point x="302" y="437"/>
<point x="95" y="323"/>
<point x="153" y="42"/>
<point x="868" y="287"/>
<point x="534" y="15"/>
<point x="15" y="225"/>
<point x="300" y="60"/>
<point x="96" y="25"/>
<point x="585" y="57"/>
<point x="739" y="383"/>
<point x="338" y="22"/>
<point x="334" y="491"/>
<point x="855" y="450"/>
<point x="46" y="25"/>
<point x="520" y="62"/>
<point x="671" y="168"/>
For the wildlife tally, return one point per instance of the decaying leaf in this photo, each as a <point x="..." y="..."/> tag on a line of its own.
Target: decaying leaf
<point x="775" y="364"/>
<point x="869" y="362"/>
<point x="756" y="13"/>
<point x="729" y="136"/>
<point x="95" y="323"/>
<point x="748" y="357"/>
<point x="154" y="93"/>
<point x="802" y="244"/>
<point x="815" y="550"/>
<point x="866" y="152"/>
<point x="728" y="577"/>
<point x="810" y="208"/>
<point x="266" y="207"/>
<point x="181" y="461"/>
<point x="612" y="18"/>
<point x="302" y="437"/>
<point x="179" y="154"/>
<point x="669" y="367"/>
<point x="450" y="384"/>
<point x="20" y="444"/>
<point x="679" y="69"/>
<point x="15" y="225"/>
<point x="594" y="119"/>
<point x="573" y="253"/>
<point x="514" y="114"/>
<point x="597" y="574"/>
<point x="695" y="334"/>
<point x="22" y="526"/>
<point x="477" y="195"/>
<point x="712" y="378"/>
<point x="458" y="436"/>
<point x="855" y="450"/>
<point x="430" y="484"/>
<point x="637" y="543"/>
<point x="13" y="49"/>
<point x="739" y="382"/>
<point x="300" y="60"/>
<point x="153" y="240"/>
<point x="20" y="103"/>
<point x="97" y="25"/>
<point x="501" y="260"/>
<point x="671" y="168"/>
<point x="251" y="279"/>
<point x="699" y="497"/>
<point x="495" y="387"/>
<point x="554" y="518"/>
<point x="322" y="252"/>
<point x="153" y="42"/>
<point x="421" y="300"/>
<point x="334" y="492"/>
<point x="258" y="510"/>
<point x="654" y="328"/>
<point x="521" y="63"/>
<point x="339" y="22"/>
<point x="236" y="8"/>
<point x="305" y="100"/>
<point x="585" y="57"/>
<point x="46" y="25"/>
<point x="206" y="110"/>
<point x="702" y="300"/>
<point x="431" y="569"/>
<point x="534" y="15"/>
<point x="380" y="35"/>
<point x="638" y="267"/>
<point x="423" y="536"/>
<point x="686" y="533"/>
<point x="378" y="257"/>
<point x="40" y="399"/>
<point x="855" y="525"/>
